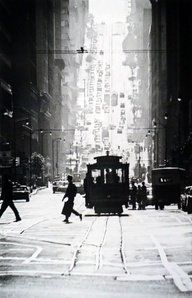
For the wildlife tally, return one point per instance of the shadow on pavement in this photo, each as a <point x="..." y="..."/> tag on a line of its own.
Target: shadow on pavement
<point x="106" y="214"/>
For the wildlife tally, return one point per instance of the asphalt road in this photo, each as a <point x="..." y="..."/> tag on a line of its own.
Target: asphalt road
<point x="143" y="253"/>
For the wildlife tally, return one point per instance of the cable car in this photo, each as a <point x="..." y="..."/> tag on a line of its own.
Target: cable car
<point x="107" y="184"/>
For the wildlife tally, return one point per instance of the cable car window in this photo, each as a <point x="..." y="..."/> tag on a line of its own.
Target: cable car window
<point x="165" y="180"/>
<point x="112" y="176"/>
<point x="96" y="174"/>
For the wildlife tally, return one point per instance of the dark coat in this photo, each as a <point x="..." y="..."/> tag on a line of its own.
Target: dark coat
<point x="7" y="191"/>
<point x="71" y="192"/>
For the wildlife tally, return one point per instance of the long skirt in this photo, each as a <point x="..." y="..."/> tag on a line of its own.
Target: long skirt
<point x="67" y="208"/>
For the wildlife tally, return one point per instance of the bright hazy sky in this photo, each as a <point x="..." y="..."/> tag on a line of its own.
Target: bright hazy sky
<point x="109" y="11"/>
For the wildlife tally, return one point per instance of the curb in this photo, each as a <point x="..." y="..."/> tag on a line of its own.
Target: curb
<point x="37" y="190"/>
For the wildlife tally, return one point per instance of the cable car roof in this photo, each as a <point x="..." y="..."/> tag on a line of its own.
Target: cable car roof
<point x="168" y="168"/>
<point x="108" y="161"/>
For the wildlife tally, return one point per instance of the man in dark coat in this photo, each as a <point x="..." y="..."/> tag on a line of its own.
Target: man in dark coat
<point x="144" y="195"/>
<point x="71" y="192"/>
<point x="133" y="195"/>
<point x="7" y="197"/>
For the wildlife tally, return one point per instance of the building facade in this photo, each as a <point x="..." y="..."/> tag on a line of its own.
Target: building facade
<point x="171" y="84"/>
<point x="34" y="70"/>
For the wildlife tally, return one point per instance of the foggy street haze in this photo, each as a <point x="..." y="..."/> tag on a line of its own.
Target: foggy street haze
<point x="95" y="148"/>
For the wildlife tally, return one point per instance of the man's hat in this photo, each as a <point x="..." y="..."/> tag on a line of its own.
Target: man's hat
<point x="69" y="177"/>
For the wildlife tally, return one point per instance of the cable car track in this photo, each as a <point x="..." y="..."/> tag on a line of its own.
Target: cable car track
<point x="98" y="262"/>
<point x="99" y="255"/>
<point x="99" y="252"/>
<point x="76" y="253"/>
<point x="121" y="249"/>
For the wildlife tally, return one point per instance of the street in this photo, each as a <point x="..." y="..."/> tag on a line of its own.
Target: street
<point x="143" y="253"/>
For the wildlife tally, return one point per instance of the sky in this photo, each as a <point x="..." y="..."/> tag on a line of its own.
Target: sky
<point x="109" y="11"/>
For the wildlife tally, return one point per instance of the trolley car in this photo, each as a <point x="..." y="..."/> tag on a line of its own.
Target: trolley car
<point x="107" y="184"/>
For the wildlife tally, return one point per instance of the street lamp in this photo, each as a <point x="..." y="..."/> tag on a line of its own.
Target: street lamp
<point x="157" y="126"/>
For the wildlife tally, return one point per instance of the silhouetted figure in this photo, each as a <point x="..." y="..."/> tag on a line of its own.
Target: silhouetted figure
<point x="109" y="176"/>
<point x="98" y="180"/>
<point x="86" y="185"/>
<point x="144" y="195"/>
<point x="7" y="197"/>
<point x="71" y="192"/>
<point x="116" y="178"/>
<point x="139" y="197"/>
<point x="133" y="195"/>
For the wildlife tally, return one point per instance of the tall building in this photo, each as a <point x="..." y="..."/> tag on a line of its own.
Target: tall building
<point x="74" y="16"/>
<point x="171" y="84"/>
<point x="33" y="70"/>
<point x="6" y="70"/>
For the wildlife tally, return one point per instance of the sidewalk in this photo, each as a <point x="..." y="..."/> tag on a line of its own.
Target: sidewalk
<point x="10" y="228"/>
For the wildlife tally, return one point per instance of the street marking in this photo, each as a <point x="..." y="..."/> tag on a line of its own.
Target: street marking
<point x="180" y="278"/>
<point x="34" y="224"/>
<point x="184" y="276"/>
<point x="34" y="255"/>
<point x="12" y="258"/>
<point x="43" y="240"/>
<point x="19" y="249"/>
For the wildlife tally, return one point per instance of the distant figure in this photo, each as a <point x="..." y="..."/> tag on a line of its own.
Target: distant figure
<point x="116" y="178"/>
<point x="133" y="195"/>
<point x="71" y="192"/>
<point x="139" y="197"/>
<point x="7" y="197"/>
<point x="144" y="195"/>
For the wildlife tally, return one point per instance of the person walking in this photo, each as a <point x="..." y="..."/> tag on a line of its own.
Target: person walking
<point x="71" y="192"/>
<point x="139" y="197"/>
<point x="7" y="197"/>
<point x="87" y="182"/>
<point x="133" y="195"/>
<point x="144" y="195"/>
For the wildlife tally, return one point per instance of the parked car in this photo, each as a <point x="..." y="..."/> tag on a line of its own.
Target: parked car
<point x="21" y="192"/>
<point x="186" y="199"/>
<point x="60" y="186"/>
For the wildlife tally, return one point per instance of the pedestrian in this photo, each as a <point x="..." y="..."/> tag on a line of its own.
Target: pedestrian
<point x="133" y="195"/>
<point x="144" y="195"/>
<point x="71" y="192"/>
<point x="139" y="197"/>
<point x="7" y="197"/>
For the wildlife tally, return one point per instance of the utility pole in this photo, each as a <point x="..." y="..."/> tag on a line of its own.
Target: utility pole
<point x="84" y="100"/>
<point x="70" y="160"/>
<point x="76" y="158"/>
